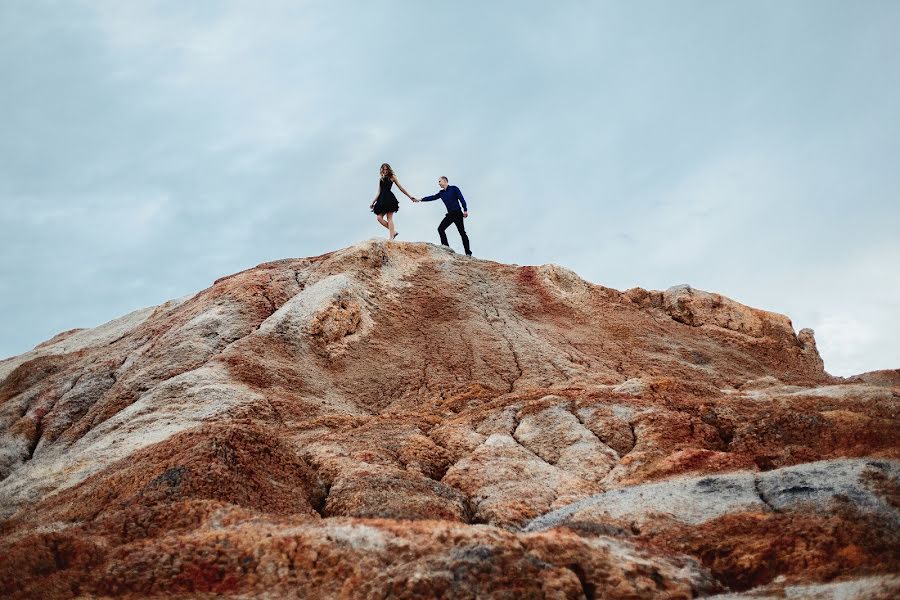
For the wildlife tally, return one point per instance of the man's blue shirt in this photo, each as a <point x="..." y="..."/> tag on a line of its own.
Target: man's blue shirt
<point x="452" y="198"/>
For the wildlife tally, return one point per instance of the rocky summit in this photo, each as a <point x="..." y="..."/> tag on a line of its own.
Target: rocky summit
<point x="393" y="420"/>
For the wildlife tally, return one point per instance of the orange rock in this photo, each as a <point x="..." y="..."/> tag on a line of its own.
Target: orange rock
<point x="392" y="420"/>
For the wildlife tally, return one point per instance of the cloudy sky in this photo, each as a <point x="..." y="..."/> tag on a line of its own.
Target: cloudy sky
<point x="750" y="148"/>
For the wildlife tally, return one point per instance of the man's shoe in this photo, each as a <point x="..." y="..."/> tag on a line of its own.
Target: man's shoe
<point x="468" y="254"/>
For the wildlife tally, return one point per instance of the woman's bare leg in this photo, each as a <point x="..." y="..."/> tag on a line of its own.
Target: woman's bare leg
<point x="382" y="221"/>
<point x="390" y="219"/>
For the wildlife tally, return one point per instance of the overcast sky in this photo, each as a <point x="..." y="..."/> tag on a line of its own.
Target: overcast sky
<point x="748" y="148"/>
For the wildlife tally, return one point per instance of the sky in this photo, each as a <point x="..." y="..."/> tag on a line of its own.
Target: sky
<point x="749" y="148"/>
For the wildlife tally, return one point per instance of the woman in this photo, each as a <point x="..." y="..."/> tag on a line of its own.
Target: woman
<point x="385" y="203"/>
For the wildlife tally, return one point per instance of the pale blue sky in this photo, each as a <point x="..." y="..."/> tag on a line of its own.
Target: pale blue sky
<point x="745" y="147"/>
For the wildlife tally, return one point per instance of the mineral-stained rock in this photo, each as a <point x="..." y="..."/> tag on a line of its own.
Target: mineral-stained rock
<point x="865" y="588"/>
<point x="394" y="421"/>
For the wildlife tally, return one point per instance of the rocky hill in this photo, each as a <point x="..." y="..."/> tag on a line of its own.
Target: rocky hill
<point x="392" y="420"/>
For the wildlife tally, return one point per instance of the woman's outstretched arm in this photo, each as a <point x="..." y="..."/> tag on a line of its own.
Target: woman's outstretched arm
<point x="408" y="195"/>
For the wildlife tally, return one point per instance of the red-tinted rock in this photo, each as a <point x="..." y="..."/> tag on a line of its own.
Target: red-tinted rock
<point x="392" y="420"/>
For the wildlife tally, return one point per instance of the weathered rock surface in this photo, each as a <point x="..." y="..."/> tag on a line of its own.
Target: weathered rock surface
<point x="866" y="588"/>
<point x="393" y="420"/>
<point x="818" y="486"/>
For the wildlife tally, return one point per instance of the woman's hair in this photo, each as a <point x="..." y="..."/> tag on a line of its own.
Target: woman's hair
<point x="390" y="171"/>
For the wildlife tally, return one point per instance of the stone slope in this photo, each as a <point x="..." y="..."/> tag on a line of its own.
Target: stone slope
<point x="395" y="420"/>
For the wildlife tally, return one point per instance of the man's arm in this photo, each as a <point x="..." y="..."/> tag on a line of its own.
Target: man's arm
<point x="430" y="198"/>
<point x="461" y="199"/>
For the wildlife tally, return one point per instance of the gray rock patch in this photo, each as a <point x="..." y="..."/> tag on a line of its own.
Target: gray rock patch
<point x="822" y="483"/>
<point x="691" y="500"/>
<point x="694" y="500"/>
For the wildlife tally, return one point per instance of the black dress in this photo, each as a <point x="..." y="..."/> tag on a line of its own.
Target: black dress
<point x="387" y="201"/>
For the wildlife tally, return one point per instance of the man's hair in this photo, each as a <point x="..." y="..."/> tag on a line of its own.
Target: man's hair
<point x="444" y="177"/>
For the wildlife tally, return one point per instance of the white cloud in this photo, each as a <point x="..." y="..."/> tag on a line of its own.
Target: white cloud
<point x="700" y="215"/>
<point x="844" y="341"/>
<point x="856" y="312"/>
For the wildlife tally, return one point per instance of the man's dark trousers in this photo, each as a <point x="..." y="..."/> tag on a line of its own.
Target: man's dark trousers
<point x="454" y="216"/>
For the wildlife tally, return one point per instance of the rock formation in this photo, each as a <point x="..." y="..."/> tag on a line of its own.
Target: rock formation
<point x="395" y="421"/>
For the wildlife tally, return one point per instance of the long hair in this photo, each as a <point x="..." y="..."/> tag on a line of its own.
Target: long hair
<point x="390" y="171"/>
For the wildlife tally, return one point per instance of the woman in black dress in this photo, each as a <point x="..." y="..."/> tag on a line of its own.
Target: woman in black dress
<point x="385" y="203"/>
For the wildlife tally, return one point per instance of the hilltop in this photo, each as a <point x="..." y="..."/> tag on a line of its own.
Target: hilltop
<point x="395" y="420"/>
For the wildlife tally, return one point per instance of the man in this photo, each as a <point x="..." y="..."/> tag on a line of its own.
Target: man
<point x="452" y="198"/>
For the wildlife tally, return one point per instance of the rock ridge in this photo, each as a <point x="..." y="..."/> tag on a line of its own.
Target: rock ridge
<point x="395" y="420"/>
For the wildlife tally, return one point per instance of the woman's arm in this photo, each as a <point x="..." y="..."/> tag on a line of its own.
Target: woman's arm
<point x="397" y="181"/>
<point x="376" y="196"/>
